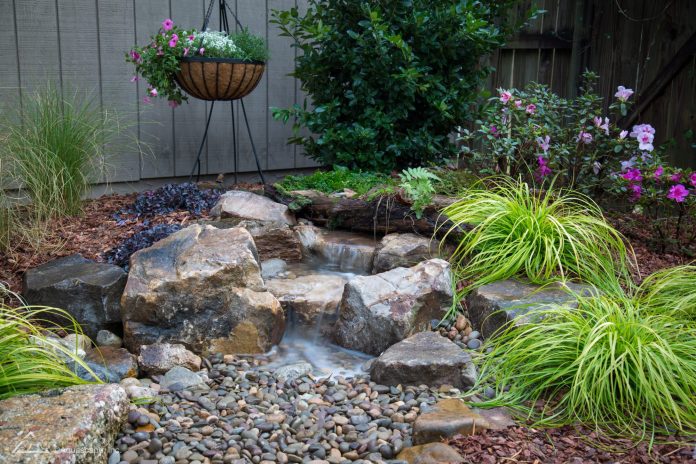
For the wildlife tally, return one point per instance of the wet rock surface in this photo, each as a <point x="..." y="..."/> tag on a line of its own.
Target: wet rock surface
<point x="425" y="357"/>
<point x="403" y="250"/>
<point x="201" y="287"/>
<point x="311" y="298"/>
<point x="380" y="310"/>
<point x="75" y="425"/>
<point x="89" y="291"/>
<point x="492" y="306"/>
<point x="344" y="250"/>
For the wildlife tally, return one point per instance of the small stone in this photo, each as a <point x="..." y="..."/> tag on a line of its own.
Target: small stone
<point x="159" y="358"/>
<point x="461" y="323"/>
<point x="107" y="338"/>
<point x="474" y="344"/>
<point x="183" y="377"/>
<point x="449" y="417"/>
<point x="130" y="456"/>
<point x="432" y="453"/>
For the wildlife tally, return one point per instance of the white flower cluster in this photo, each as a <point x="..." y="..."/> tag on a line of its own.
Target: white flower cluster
<point x="217" y="44"/>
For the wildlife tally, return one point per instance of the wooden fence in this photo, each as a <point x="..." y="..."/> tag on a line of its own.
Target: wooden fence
<point x="82" y="44"/>
<point x="647" y="45"/>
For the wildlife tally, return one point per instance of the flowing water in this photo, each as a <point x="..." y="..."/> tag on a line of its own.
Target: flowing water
<point x="338" y="257"/>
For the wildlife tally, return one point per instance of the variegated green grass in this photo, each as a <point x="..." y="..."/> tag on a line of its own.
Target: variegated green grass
<point x="670" y="290"/>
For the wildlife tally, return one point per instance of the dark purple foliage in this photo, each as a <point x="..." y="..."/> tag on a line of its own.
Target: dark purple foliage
<point x="121" y="254"/>
<point x="173" y="197"/>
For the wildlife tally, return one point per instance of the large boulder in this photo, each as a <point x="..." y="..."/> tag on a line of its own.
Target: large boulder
<point x="75" y="425"/>
<point x="309" y="298"/>
<point x="345" y="251"/>
<point x="380" y="310"/>
<point x="247" y="205"/>
<point x="201" y="287"/>
<point x="492" y="306"/>
<point x="403" y="250"/>
<point x="274" y="240"/>
<point x="424" y="358"/>
<point x="88" y="290"/>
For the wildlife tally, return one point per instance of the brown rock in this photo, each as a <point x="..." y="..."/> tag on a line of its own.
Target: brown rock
<point x="432" y="453"/>
<point x="117" y="360"/>
<point x="247" y="205"/>
<point x="75" y="425"/>
<point x="403" y="250"/>
<point x="461" y="323"/>
<point x="160" y="357"/>
<point x="448" y="418"/>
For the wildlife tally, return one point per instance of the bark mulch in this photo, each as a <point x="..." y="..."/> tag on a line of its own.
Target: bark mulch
<point x="574" y="445"/>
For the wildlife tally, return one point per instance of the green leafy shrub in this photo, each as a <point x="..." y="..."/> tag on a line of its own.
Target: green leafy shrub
<point x="55" y="147"/>
<point x="31" y="360"/>
<point x="453" y="181"/>
<point x="417" y="184"/>
<point x="606" y="364"/>
<point x="336" y="180"/>
<point x="541" y="235"/>
<point x="389" y="81"/>
<point x="671" y="290"/>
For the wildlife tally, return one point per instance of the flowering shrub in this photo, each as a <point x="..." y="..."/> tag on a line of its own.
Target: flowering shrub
<point x="158" y="61"/>
<point x="534" y="132"/>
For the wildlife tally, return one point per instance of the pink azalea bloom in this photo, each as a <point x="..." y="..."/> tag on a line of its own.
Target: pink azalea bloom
<point x="201" y="51"/>
<point x="678" y="193"/>
<point x="628" y="164"/>
<point x="675" y="177"/>
<point x="173" y="42"/>
<point x="153" y="92"/>
<point x="692" y="179"/>
<point x="544" y="143"/>
<point x="167" y="24"/>
<point x="658" y="172"/>
<point x="633" y="175"/>
<point x="505" y="96"/>
<point x="584" y="137"/>
<point x="645" y="140"/>
<point x="623" y="134"/>
<point x="597" y="121"/>
<point x="518" y="103"/>
<point x="602" y="125"/>
<point x="147" y="100"/>
<point x="642" y="128"/>
<point x="636" y="191"/>
<point x="543" y="170"/>
<point x="173" y="104"/>
<point x="623" y="93"/>
<point x="494" y="130"/>
<point x="596" y="167"/>
<point x="531" y="108"/>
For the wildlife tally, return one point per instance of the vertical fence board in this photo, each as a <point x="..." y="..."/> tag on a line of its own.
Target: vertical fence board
<point x="116" y="36"/>
<point x="9" y="68"/>
<point x="79" y="51"/>
<point x="37" y="43"/>
<point x="156" y="120"/>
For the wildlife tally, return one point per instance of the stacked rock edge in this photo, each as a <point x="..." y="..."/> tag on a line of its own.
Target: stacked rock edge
<point x="75" y="425"/>
<point x="201" y="287"/>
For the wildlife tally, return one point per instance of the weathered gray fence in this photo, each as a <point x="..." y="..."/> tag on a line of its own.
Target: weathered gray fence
<point x="82" y="43"/>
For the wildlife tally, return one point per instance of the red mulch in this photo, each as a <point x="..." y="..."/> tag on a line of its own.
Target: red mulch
<point x="565" y="445"/>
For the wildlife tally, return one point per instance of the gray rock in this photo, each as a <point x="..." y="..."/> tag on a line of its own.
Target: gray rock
<point x="403" y="250"/>
<point x="92" y="370"/>
<point x="273" y="240"/>
<point x="161" y="357"/>
<point x="183" y="377"/>
<point x="345" y="250"/>
<point x="311" y="297"/>
<point x="380" y="310"/>
<point x="424" y="358"/>
<point x="201" y="287"/>
<point x="272" y="267"/>
<point x="117" y="360"/>
<point x="293" y="371"/>
<point x="247" y="205"/>
<point x="492" y="306"/>
<point x="89" y="291"/>
<point x="77" y="425"/>
<point x="106" y="338"/>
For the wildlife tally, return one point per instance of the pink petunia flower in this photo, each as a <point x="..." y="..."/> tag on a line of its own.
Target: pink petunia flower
<point x="186" y="51"/>
<point x="174" y="41"/>
<point x="191" y="38"/>
<point x="173" y="104"/>
<point x="584" y="137"/>
<point x="678" y="193"/>
<point x="505" y="96"/>
<point x="531" y="108"/>
<point x="167" y="24"/>
<point x="623" y="93"/>
<point x="633" y="175"/>
<point x="544" y="143"/>
<point x="201" y="51"/>
<point x="134" y="79"/>
<point x="135" y="56"/>
<point x="153" y="92"/>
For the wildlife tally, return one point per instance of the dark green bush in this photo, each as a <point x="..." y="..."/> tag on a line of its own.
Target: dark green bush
<point x="388" y="81"/>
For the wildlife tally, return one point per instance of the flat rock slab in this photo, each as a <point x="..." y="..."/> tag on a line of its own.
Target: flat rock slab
<point x="492" y="306"/>
<point x="310" y="298"/>
<point x="274" y="240"/>
<point x="403" y="250"/>
<point x="380" y="310"/>
<point x="431" y="453"/>
<point x="449" y="417"/>
<point x="247" y="205"/>
<point x="88" y="290"/>
<point x="75" y="425"/>
<point x="424" y="358"/>
<point x="346" y="251"/>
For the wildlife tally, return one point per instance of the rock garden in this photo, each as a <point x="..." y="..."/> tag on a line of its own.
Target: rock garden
<point x="526" y="294"/>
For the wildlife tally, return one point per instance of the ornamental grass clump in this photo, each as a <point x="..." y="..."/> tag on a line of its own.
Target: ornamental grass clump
<point x="605" y="364"/>
<point x="543" y="236"/>
<point x="671" y="290"/>
<point x="31" y="358"/>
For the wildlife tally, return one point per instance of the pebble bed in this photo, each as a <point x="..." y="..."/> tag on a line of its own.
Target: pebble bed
<point x="244" y="414"/>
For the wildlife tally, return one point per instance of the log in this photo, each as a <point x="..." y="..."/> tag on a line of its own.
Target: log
<point x="379" y="216"/>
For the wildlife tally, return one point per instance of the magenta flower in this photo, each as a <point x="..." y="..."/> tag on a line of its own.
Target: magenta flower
<point x="153" y="92"/>
<point x="135" y="56"/>
<point x="678" y="193"/>
<point x="173" y="104"/>
<point x="544" y="143"/>
<point x="147" y="100"/>
<point x="676" y="177"/>
<point x="623" y="134"/>
<point x="201" y="51"/>
<point x="186" y="51"/>
<point x="173" y="42"/>
<point x="167" y="24"/>
<point x="505" y="95"/>
<point x="518" y="103"/>
<point x="134" y="79"/>
<point x="692" y="178"/>
<point x="636" y="190"/>
<point x="584" y="137"/>
<point x="658" y="172"/>
<point x="494" y="130"/>
<point x="543" y="170"/>
<point x="623" y="93"/>
<point x="531" y="108"/>
<point x="633" y="175"/>
<point x="191" y="38"/>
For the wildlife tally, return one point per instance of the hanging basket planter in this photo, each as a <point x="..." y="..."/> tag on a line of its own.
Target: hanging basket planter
<point x="219" y="78"/>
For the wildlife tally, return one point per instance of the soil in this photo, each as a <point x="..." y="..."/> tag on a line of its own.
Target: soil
<point x="574" y="445"/>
